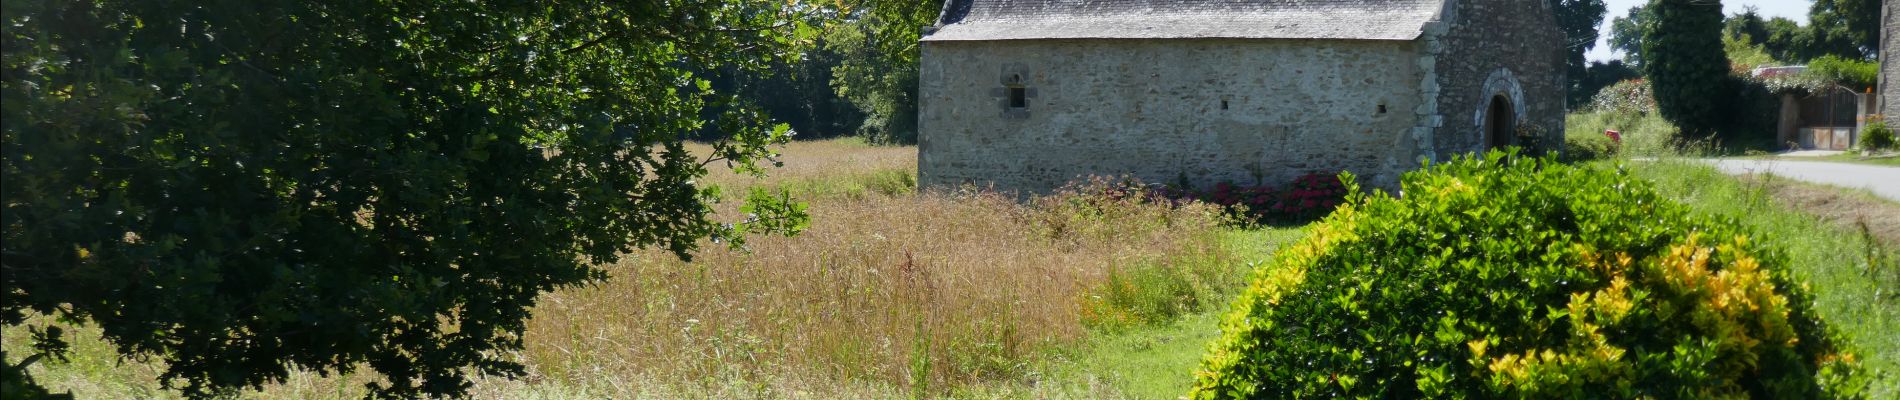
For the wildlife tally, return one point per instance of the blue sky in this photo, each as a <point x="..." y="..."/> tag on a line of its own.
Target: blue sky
<point x="1796" y="10"/>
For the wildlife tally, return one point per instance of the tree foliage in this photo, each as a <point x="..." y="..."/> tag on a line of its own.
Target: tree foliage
<point x="1840" y="28"/>
<point x="1854" y="74"/>
<point x="1844" y="28"/>
<point x="879" y="70"/>
<point x="797" y="93"/>
<point x="1682" y="56"/>
<point x="1780" y="39"/>
<point x="1746" y="24"/>
<point x="1578" y="19"/>
<point x="1784" y="40"/>
<point x="243" y="187"/>
<point x="884" y="88"/>
<point x="1601" y="75"/>
<point x="796" y="90"/>
<point x="1744" y="55"/>
<point x="1627" y="31"/>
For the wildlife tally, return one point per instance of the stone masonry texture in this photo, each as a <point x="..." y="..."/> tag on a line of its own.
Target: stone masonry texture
<point x="1488" y="36"/>
<point x="1248" y="111"/>
<point x="1890" y="62"/>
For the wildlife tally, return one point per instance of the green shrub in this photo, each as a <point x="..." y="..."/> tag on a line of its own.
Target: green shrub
<point x="1855" y="74"/>
<point x="1144" y="294"/>
<point x="1586" y="146"/>
<point x="1744" y="54"/>
<point x="1630" y="96"/>
<point x="1646" y="135"/>
<point x="1509" y="277"/>
<point x="1876" y="135"/>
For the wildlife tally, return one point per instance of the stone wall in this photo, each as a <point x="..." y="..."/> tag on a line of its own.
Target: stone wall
<point x="1207" y="110"/>
<point x="1489" y="47"/>
<point x="1890" y="63"/>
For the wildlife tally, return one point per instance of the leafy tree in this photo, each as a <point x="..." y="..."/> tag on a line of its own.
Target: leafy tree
<point x="879" y="71"/>
<point x="243" y="187"/>
<point x="1626" y="34"/>
<point x="1844" y="28"/>
<point x="1744" y="39"/>
<point x="1747" y="23"/>
<point x="1579" y="20"/>
<point x="1603" y="74"/>
<point x="1784" y="39"/>
<point x="883" y="87"/>
<point x="1744" y="56"/>
<point x="1682" y="53"/>
<point x="796" y="91"/>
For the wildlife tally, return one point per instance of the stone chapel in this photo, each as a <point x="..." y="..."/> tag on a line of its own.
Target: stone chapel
<point x="1027" y="95"/>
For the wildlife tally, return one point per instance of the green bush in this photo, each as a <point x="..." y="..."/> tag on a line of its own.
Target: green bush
<point x="1144" y="294"/>
<point x="1508" y="277"/>
<point x="1646" y="135"/>
<point x="1586" y="146"/>
<point x="1630" y="96"/>
<point x="1855" y="74"/>
<point x="1876" y="135"/>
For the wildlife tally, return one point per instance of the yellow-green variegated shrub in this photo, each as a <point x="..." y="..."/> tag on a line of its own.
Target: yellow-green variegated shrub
<point x="1502" y="277"/>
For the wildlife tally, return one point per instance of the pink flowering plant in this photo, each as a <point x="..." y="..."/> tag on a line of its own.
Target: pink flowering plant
<point x="1632" y="96"/>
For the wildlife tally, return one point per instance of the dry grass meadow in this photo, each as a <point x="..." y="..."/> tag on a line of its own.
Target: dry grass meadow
<point x="889" y="293"/>
<point x="896" y="293"/>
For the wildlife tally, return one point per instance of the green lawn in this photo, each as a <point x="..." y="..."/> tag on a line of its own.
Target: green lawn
<point x="1154" y="362"/>
<point x="1148" y="363"/>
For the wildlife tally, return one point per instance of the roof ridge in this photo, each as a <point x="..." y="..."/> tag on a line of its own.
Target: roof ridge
<point x="1261" y="19"/>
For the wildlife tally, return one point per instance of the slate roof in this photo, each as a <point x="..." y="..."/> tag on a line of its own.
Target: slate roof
<point x="976" y="20"/>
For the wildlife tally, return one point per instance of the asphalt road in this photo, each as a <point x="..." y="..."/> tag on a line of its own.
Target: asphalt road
<point x="1883" y="181"/>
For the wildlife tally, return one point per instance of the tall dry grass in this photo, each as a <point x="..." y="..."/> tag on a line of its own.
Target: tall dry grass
<point x="834" y="161"/>
<point x="890" y="292"/>
<point x="919" y="292"/>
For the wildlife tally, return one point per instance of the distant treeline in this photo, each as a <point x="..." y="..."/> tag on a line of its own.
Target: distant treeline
<point x="858" y="78"/>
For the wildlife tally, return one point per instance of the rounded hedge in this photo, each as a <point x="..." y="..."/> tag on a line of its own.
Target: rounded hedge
<point x="1497" y="276"/>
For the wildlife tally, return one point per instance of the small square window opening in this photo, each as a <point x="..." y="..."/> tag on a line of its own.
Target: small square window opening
<point x="1018" y="97"/>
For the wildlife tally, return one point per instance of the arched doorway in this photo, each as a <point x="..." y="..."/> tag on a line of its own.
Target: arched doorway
<point x="1500" y="126"/>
